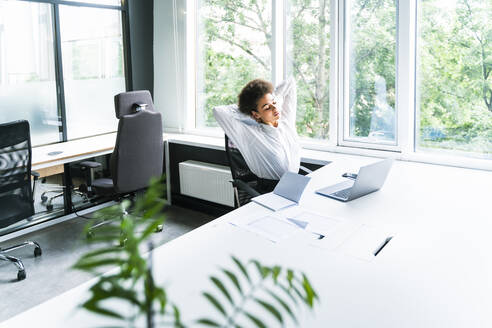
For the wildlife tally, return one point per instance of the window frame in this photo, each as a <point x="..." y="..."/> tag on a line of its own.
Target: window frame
<point x="405" y="147"/>
<point x="55" y="23"/>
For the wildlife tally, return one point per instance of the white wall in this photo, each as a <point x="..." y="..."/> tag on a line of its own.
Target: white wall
<point x="169" y="62"/>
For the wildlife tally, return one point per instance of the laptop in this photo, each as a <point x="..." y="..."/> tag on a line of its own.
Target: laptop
<point x="369" y="179"/>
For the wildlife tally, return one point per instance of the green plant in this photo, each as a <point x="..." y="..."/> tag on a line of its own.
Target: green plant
<point x="121" y="245"/>
<point x="278" y="291"/>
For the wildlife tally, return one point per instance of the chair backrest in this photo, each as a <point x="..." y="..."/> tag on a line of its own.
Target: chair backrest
<point x="16" y="199"/>
<point x="239" y="168"/>
<point x="139" y="151"/>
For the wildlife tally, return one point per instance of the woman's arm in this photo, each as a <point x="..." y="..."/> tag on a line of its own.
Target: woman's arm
<point x="234" y="123"/>
<point x="287" y="93"/>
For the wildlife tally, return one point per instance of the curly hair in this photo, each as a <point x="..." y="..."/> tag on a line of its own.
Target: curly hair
<point x="252" y="93"/>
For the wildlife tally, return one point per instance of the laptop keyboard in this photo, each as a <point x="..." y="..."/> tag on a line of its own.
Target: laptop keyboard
<point x="343" y="193"/>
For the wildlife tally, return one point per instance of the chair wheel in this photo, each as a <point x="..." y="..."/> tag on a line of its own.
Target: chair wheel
<point x="89" y="235"/>
<point x="21" y="275"/>
<point x="49" y="207"/>
<point x="44" y="198"/>
<point x="37" y="252"/>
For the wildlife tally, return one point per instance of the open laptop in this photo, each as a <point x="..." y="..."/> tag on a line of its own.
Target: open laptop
<point x="369" y="179"/>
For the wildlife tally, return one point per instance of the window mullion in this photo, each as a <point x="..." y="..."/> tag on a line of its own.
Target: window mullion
<point x="60" y="87"/>
<point x="406" y="75"/>
<point x="335" y="69"/>
<point x="278" y="40"/>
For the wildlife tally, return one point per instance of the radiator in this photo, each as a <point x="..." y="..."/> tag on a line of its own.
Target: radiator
<point x="206" y="181"/>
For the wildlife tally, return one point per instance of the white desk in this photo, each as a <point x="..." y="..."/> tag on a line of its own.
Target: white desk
<point x="436" y="272"/>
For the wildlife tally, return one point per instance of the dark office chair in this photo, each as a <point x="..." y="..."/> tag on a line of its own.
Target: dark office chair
<point x="139" y="150"/>
<point x="16" y="193"/>
<point x="245" y="183"/>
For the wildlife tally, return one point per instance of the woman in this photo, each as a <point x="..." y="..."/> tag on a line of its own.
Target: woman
<point x="263" y="127"/>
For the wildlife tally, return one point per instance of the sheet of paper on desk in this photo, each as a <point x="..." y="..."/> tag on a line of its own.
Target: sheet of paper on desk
<point x="329" y="232"/>
<point x="366" y="242"/>
<point x="272" y="228"/>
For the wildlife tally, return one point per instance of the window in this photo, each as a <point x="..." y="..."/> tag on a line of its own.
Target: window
<point x="61" y="65"/>
<point x="308" y="60"/>
<point x="370" y="37"/>
<point x="92" y="68"/>
<point x="27" y="70"/>
<point x="408" y="77"/>
<point x="234" y="47"/>
<point x="454" y="80"/>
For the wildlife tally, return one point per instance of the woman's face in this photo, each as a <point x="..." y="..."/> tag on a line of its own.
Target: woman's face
<point x="266" y="110"/>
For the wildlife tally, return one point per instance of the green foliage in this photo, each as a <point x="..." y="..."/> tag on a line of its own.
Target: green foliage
<point x="454" y="80"/>
<point x="121" y="245"/>
<point x="455" y="62"/>
<point x="130" y="286"/>
<point x="275" y="290"/>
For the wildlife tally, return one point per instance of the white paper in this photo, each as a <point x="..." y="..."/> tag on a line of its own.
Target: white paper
<point x="329" y="232"/>
<point x="272" y="228"/>
<point x="364" y="243"/>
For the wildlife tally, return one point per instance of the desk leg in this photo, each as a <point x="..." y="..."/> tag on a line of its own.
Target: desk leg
<point x="67" y="195"/>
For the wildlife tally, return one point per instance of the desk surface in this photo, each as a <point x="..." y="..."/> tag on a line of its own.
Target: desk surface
<point x="436" y="272"/>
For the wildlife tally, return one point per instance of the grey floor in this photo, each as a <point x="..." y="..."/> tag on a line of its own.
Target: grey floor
<point x="50" y="274"/>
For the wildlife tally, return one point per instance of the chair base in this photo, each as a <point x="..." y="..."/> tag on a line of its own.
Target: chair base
<point x="48" y="201"/>
<point x="21" y="272"/>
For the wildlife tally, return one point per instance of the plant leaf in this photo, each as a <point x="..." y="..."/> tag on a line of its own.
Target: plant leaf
<point x="215" y="303"/>
<point x="241" y="267"/>
<point x="255" y="320"/>
<point x="283" y="304"/>
<point x="91" y="264"/>
<point x="93" y="307"/>
<point x="288" y="292"/>
<point x="222" y="288"/>
<point x="276" y="272"/>
<point x="262" y="270"/>
<point x="101" y="251"/>
<point x="310" y="293"/>
<point x="208" y="322"/>
<point x="234" y="280"/>
<point x="270" y="308"/>
<point x="290" y="276"/>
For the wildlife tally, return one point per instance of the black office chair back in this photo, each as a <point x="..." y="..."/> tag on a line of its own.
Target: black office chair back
<point x="16" y="198"/>
<point x="239" y="168"/>
<point x="139" y="150"/>
<point x="245" y="182"/>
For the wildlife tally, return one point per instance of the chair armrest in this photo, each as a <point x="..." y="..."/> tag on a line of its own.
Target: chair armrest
<point x="245" y="187"/>
<point x="35" y="176"/>
<point x="89" y="164"/>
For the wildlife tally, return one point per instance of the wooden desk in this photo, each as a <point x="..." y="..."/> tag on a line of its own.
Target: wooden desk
<point x="436" y="272"/>
<point x="49" y="159"/>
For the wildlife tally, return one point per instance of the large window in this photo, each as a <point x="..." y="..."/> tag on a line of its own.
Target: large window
<point x="370" y="37"/>
<point x="308" y="60"/>
<point x="27" y="70"/>
<point x="60" y="66"/>
<point x="234" y="47"/>
<point x="454" y="81"/>
<point x="407" y="77"/>
<point x="92" y="68"/>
